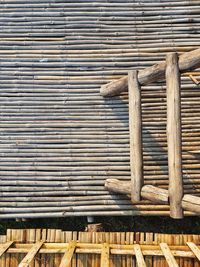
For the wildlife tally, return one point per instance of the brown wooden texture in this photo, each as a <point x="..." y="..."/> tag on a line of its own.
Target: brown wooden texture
<point x="188" y="61"/>
<point x="135" y="135"/>
<point x="174" y="143"/>
<point x="154" y="195"/>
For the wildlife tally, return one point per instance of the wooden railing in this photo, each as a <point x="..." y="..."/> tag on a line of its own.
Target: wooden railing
<point x="170" y="69"/>
<point x="56" y="248"/>
<point x="105" y="250"/>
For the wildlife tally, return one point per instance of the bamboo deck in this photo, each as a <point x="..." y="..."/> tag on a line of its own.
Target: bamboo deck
<point x="59" y="139"/>
<point x="51" y="248"/>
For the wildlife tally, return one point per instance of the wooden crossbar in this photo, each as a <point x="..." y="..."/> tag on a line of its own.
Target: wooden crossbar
<point x="5" y="247"/>
<point x="66" y="259"/>
<point x="138" y="251"/>
<point x="187" y="61"/>
<point x="194" y="249"/>
<point x="168" y="255"/>
<point x="31" y="254"/>
<point x="139" y="256"/>
<point x="105" y="255"/>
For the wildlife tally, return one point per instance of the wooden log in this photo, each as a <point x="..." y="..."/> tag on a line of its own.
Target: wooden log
<point x="135" y="135"/>
<point x="191" y="203"/>
<point x="150" y="192"/>
<point x="187" y="61"/>
<point x="174" y="136"/>
<point x="118" y="186"/>
<point x="154" y="194"/>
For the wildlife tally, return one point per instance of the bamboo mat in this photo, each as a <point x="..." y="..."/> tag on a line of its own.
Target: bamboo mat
<point x="59" y="139"/>
<point x="82" y="260"/>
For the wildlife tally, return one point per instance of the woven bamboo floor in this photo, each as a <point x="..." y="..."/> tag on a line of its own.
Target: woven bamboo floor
<point x="47" y="248"/>
<point x="59" y="139"/>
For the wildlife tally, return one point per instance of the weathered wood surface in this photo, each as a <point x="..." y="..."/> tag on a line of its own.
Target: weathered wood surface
<point x="174" y="143"/>
<point x="135" y="135"/>
<point x="31" y="254"/>
<point x="154" y="194"/>
<point x="187" y="61"/>
<point x="59" y="139"/>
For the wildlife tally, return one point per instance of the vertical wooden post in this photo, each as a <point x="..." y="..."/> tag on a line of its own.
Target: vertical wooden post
<point x="135" y="135"/>
<point x="105" y="255"/>
<point x="174" y="135"/>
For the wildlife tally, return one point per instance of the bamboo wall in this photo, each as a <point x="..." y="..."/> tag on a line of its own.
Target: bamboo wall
<point x="90" y="260"/>
<point x="59" y="139"/>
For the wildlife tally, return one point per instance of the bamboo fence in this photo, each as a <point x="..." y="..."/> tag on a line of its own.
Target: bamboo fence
<point x="54" y="248"/>
<point x="59" y="139"/>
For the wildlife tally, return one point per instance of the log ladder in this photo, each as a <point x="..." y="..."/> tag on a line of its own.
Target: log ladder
<point x="170" y="69"/>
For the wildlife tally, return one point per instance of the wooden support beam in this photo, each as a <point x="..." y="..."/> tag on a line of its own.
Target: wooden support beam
<point x="149" y="192"/>
<point x="105" y="255"/>
<point x="66" y="259"/>
<point x="31" y="254"/>
<point x="187" y="62"/>
<point x="139" y="256"/>
<point x="174" y="135"/>
<point x="135" y="136"/>
<point x="118" y="186"/>
<point x="194" y="249"/>
<point x="5" y="247"/>
<point x="191" y="203"/>
<point x="154" y="194"/>
<point x="168" y="255"/>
